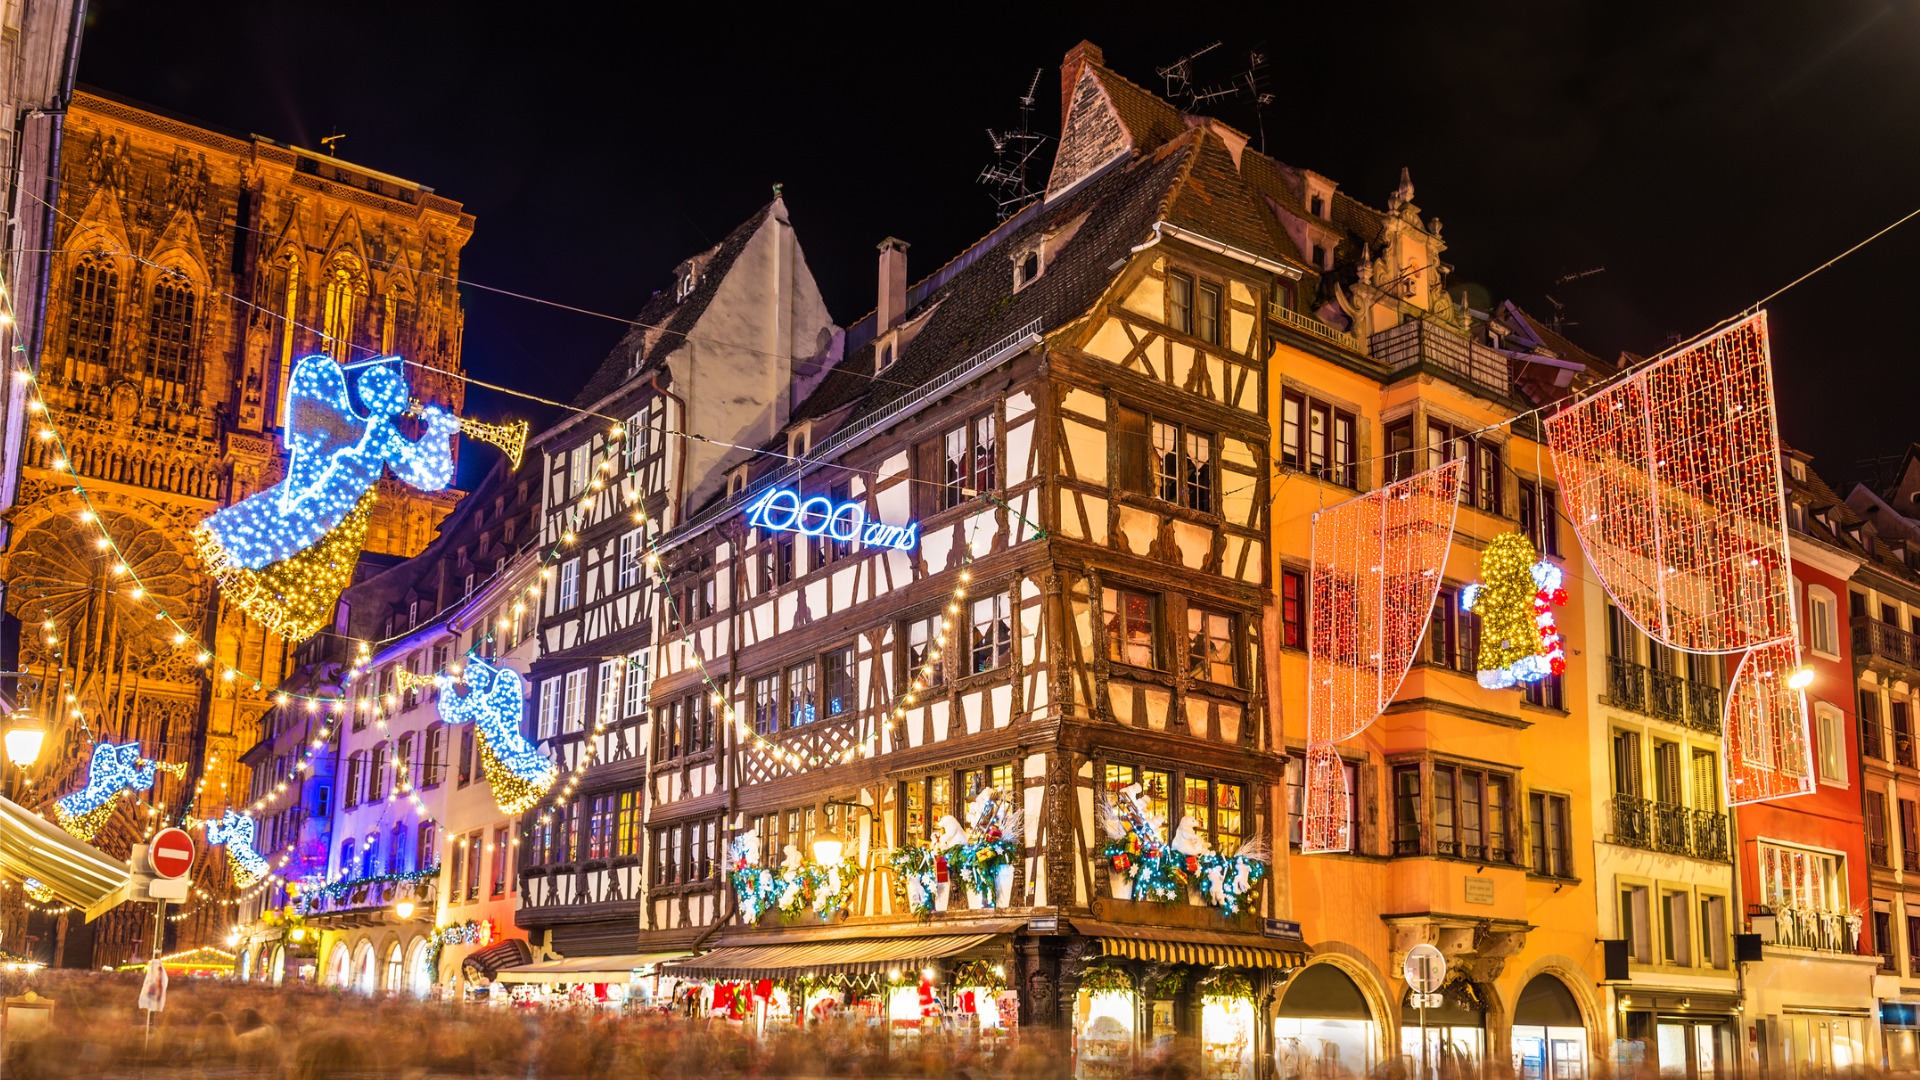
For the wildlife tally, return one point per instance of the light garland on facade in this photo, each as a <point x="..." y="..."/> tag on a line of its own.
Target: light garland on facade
<point x="235" y="832"/>
<point x="518" y="774"/>
<point x="1376" y="569"/>
<point x="1515" y="597"/>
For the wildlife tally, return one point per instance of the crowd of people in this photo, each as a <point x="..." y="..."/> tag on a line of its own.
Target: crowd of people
<point x="215" y="1028"/>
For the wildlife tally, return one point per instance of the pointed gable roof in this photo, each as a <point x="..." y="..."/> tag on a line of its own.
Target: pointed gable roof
<point x="666" y="319"/>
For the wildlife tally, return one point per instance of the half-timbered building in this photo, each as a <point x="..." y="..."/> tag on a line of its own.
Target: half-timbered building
<point x="709" y="371"/>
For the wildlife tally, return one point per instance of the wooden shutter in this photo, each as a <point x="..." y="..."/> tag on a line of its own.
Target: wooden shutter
<point x="1131" y="451"/>
<point x="927" y="479"/>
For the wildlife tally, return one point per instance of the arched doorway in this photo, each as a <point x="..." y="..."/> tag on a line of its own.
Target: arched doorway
<point x="366" y="968"/>
<point x="1549" y="1034"/>
<point x="246" y="965"/>
<point x="278" y="972"/>
<point x="419" y="973"/>
<point x="337" y="965"/>
<point x="1323" y="1027"/>
<point x="1456" y="1030"/>
<point x="395" y="978"/>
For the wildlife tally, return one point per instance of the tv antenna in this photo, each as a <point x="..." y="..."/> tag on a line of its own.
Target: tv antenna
<point x="1559" y="321"/>
<point x="1179" y="74"/>
<point x="1013" y="149"/>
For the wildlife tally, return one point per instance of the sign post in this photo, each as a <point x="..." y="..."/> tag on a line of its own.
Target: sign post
<point x="1425" y="969"/>
<point x="168" y="857"/>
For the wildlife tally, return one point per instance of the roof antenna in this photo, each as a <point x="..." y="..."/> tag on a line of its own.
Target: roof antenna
<point x="1006" y="178"/>
<point x="331" y="141"/>
<point x="1559" y="322"/>
<point x="1179" y="75"/>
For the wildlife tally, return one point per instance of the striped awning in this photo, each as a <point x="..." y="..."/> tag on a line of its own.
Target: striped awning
<point x="585" y="969"/>
<point x="486" y="963"/>
<point x="76" y="872"/>
<point x="1172" y="946"/>
<point x="858" y="957"/>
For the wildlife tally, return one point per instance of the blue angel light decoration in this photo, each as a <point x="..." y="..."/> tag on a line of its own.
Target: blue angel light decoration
<point x="113" y="769"/>
<point x="494" y="702"/>
<point x="236" y="832"/>
<point x="283" y="554"/>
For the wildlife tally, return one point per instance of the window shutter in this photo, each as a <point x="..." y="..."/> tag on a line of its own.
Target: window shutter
<point x="927" y="479"/>
<point x="1131" y="451"/>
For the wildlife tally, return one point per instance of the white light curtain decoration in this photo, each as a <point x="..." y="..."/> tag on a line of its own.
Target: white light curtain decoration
<point x="1671" y="479"/>
<point x="1376" y="569"/>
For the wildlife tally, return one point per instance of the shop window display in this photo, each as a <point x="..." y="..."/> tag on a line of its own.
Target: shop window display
<point x="1323" y="1027"/>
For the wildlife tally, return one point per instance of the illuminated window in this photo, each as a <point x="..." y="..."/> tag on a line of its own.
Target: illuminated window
<point x="1210" y="647"/>
<point x="573" y="716"/>
<point x="1132" y="627"/>
<point x="922" y="635"/>
<point x="766" y="704"/>
<point x="840" y="679"/>
<point x="992" y="634"/>
<point x="499" y="861"/>
<point x="802" y="682"/>
<point x="569" y="585"/>
<point x="1317" y="438"/>
<point x="1164" y="460"/>
<point x="92" y="308"/>
<point x="344" y="290"/>
<point x="170" y="340"/>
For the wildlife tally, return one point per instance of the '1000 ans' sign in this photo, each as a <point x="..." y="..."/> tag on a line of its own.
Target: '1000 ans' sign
<point x="783" y="510"/>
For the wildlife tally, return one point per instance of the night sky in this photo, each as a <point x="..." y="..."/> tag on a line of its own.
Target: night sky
<point x="1705" y="154"/>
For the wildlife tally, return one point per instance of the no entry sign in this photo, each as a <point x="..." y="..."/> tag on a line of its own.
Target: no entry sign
<point x="171" y="853"/>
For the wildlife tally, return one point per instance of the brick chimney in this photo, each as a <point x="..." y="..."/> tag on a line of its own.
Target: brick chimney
<point x="893" y="285"/>
<point x="1084" y="53"/>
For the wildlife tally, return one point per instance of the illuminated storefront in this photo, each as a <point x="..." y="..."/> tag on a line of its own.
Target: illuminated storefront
<point x="1456" y="1031"/>
<point x="1549" y="1034"/>
<point x="1324" y="1028"/>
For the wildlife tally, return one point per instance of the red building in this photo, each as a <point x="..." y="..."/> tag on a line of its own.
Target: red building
<point x="1803" y="860"/>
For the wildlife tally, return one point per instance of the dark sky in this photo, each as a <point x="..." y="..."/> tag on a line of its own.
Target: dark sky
<point x="1703" y="153"/>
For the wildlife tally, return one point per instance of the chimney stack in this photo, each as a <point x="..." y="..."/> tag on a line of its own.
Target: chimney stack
<point x="1084" y="53"/>
<point x="893" y="285"/>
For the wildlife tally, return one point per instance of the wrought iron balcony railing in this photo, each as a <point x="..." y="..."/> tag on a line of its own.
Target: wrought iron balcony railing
<point x="1873" y="639"/>
<point x="1669" y="828"/>
<point x="1626" y="684"/>
<point x="1423" y="343"/>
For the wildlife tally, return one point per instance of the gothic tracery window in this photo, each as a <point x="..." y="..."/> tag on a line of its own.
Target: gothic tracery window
<point x="92" y="304"/>
<point x="170" y="340"/>
<point x="345" y="290"/>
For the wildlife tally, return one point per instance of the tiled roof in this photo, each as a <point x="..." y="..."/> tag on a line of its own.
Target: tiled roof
<point x="978" y="305"/>
<point x="1214" y="200"/>
<point x="664" y="322"/>
<point x="1150" y="120"/>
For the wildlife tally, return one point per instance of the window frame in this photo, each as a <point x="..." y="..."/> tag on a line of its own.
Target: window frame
<point x="1339" y="460"/>
<point x="1136" y="437"/>
<point x="1118" y="637"/>
<point x="1550" y="834"/>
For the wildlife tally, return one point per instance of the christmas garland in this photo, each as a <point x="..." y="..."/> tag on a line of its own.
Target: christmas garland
<point x="1135" y="850"/>
<point x="1102" y="979"/>
<point x="982" y="974"/>
<point x="914" y="866"/>
<point x="1226" y="988"/>
<point x="338" y="890"/>
<point x="471" y="932"/>
<point x="1228" y="881"/>
<point x="793" y="891"/>
<point x="993" y="841"/>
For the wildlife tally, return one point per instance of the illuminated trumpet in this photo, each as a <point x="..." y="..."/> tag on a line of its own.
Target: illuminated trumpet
<point x="510" y="437"/>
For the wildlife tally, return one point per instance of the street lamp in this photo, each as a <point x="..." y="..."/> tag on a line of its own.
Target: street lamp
<point x="25" y="735"/>
<point x="827" y="852"/>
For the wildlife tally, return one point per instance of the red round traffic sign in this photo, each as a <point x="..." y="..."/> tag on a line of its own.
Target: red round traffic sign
<point x="171" y="853"/>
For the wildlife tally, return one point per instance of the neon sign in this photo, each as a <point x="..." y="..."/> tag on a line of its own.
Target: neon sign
<point x="783" y="510"/>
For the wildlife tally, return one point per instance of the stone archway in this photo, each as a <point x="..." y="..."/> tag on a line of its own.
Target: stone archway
<point x="419" y="973"/>
<point x="366" y="969"/>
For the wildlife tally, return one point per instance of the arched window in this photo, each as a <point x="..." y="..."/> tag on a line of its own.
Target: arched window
<point x="370" y="858"/>
<point x="396" y="971"/>
<point x="345" y="287"/>
<point x="346" y="857"/>
<point x="397" y="848"/>
<point x="170" y="334"/>
<point x="92" y="305"/>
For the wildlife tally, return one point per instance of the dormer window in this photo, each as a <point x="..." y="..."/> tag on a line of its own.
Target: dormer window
<point x="1317" y="206"/>
<point x="885" y="358"/>
<point x="737" y="481"/>
<point x="689" y="281"/>
<point x="799" y="441"/>
<point x="1320" y="257"/>
<point x="1798" y="470"/>
<point x="1025" y="269"/>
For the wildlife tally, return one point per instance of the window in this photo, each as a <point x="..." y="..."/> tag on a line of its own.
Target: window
<point x="1470" y="808"/>
<point x="1131" y="619"/>
<point x="569" y="585"/>
<point x="427" y="850"/>
<point x="1217" y="807"/>
<point x="1317" y="438"/>
<point x="1636" y="921"/>
<point x="580" y="467"/>
<point x="1913" y="946"/>
<point x="1823" y="634"/>
<point x="356" y="776"/>
<point x="1676" y="936"/>
<point x="1400" y="464"/>
<point x="802" y="681"/>
<point x="574" y="712"/>
<point x="1902" y="732"/>
<point x="377" y="761"/>
<point x="498" y="849"/>
<point x="626" y="840"/>
<point x="1871" y="736"/>
<point x="1156" y="786"/>
<point x="370" y="857"/>
<point x="1296" y="773"/>
<point x="1210" y="647"/>
<point x="1406" y="810"/>
<point x="1713" y="932"/>
<point x="1206" y="315"/>
<point x="1293" y="609"/>
<point x="1454" y="639"/>
<point x="1831" y="740"/>
<point x="766" y="704"/>
<point x="549" y="708"/>
<point x="924" y="660"/>
<point x="459" y="870"/>
<point x="1803" y="878"/>
<point x="347" y="864"/>
<point x="1909" y="835"/>
<point x="403" y="763"/>
<point x="635" y="678"/>
<point x="1480" y="483"/>
<point x="1180" y="302"/>
<point x="1551" y="834"/>
<point x="170" y="339"/>
<point x="839" y="676"/>
<point x="92" y="311"/>
<point x="1540" y="516"/>
<point x="1026" y="269"/>
<point x="475" y="842"/>
<point x="961" y="463"/>
<point x="630" y="560"/>
<point x="669" y="722"/>
<point x="1165" y="460"/>
<point x="1879" y="852"/>
<point x="923" y="802"/>
<point x="600" y="822"/>
<point x="606" y="701"/>
<point x="466" y="754"/>
<point x="992" y="633"/>
<point x="397" y="848"/>
<point x="1548" y="693"/>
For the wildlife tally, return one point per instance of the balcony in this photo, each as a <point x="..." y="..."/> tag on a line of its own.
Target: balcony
<point x="1871" y="744"/>
<point x="1664" y="695"/>
<point x="1887" y="645"/>
<point x="1421" y="343"/>
<point x="1669" y="828"/>
<point x="1801" y="928"/>
<point x="1311" y="325"/>
<point x="1902" y="747"/>
<point x="1910" y="860"/>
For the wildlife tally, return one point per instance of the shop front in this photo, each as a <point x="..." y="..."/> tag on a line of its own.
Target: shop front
<point x="619" y="983"/>
<point x="1900" y="1033"/>
<point x="1151" y="985"/>
<point x="1323" y="1027"/>
<point x="1549" y="1034"/>
<point x="1449" y="1039"/>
